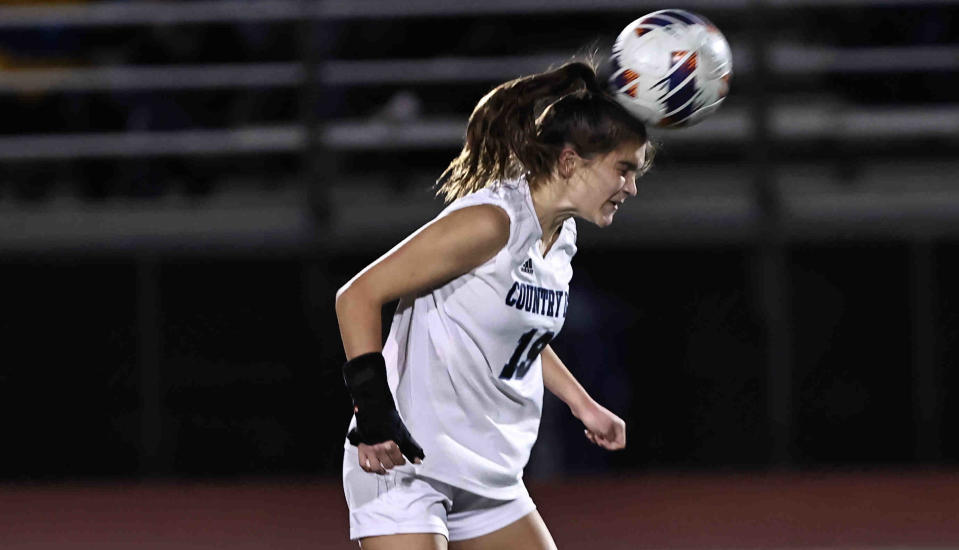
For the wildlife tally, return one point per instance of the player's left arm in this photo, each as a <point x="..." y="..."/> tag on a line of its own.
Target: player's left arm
<point x="602" y="426"/>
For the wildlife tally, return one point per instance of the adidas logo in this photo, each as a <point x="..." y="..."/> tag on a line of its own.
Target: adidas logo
<point x="527" y="266"/>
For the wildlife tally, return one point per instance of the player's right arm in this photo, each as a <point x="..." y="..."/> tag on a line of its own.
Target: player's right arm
<point x="436" y="253"/>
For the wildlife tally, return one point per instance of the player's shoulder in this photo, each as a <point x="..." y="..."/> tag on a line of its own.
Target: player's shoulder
<point x="512" y="191"/>
<point x="504" y="193"/>
<point x="484" y="218"/>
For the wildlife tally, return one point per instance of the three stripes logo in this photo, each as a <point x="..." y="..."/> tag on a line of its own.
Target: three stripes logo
<point x="527" y="266"/>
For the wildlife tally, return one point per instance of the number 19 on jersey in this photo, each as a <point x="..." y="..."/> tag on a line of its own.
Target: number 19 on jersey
<point x="527" y="350"/>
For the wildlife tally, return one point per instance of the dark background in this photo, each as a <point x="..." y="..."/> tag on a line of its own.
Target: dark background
<point x="780" y="295"/>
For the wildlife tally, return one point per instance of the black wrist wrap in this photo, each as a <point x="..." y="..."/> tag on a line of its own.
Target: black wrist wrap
<point x="365" y="376"/>
<point x="377" y="419"/>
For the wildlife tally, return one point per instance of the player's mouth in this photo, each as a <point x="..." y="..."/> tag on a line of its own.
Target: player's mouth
<point x="617" y="204"/>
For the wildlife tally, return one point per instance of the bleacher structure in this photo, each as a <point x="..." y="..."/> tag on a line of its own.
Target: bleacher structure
<point x="846" y="156"/>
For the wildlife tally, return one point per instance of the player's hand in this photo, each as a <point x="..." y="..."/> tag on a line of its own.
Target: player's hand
<point x="378" y="423"/>
<point x="381" y="427"/>
<point x="603" y="428"/>
<point x="381" y="443"/>
<point x="381" y="457"/>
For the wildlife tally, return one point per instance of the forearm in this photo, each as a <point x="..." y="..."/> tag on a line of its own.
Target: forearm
<point x="561" y="383"/>
<point x="379" y="428"/>
<point x="360" y="322"/>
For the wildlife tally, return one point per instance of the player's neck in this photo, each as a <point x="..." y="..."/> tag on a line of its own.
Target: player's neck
<point x="552" y="209"/>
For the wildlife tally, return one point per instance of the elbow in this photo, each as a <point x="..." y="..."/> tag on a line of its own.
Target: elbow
<point x="341" y="293"/>
<point x="343" y="297"/>
<point x="350" y="296"/>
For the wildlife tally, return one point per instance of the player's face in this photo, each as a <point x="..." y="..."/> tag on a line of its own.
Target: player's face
<point x="609" y="181"/>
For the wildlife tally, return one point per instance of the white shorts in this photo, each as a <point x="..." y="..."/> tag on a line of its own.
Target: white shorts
<point x="402" y="502"/>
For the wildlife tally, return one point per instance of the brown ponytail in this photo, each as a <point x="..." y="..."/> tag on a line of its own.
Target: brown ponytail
<point x="505" y="139"/>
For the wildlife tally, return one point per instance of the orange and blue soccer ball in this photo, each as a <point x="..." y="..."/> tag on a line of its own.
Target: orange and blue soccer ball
<point x="670" y="68"/>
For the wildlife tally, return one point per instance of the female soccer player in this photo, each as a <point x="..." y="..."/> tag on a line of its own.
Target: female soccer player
<point x="482" y="290"/>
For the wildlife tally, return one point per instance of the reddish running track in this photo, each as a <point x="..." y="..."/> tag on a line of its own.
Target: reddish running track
<point x="747" y="511"/>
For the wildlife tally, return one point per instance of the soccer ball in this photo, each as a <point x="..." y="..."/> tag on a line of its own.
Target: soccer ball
<point x="670" y="68"/>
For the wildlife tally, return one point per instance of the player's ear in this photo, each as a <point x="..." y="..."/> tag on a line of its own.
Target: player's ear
<point x="568" y="159"/>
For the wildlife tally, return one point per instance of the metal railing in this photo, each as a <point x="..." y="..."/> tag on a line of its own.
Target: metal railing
<point x="226" y="11"/>
<point x="787" y="59"/>
<point x="788" y="123"/>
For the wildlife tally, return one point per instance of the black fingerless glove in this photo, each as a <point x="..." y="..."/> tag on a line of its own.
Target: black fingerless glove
<point x="377" y="419"/>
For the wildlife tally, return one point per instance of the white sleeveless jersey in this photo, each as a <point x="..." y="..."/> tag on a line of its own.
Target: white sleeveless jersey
<point x="463" y="359"/>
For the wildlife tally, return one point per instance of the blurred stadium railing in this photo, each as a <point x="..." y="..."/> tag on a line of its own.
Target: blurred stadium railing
<point x="213" y="96"/>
